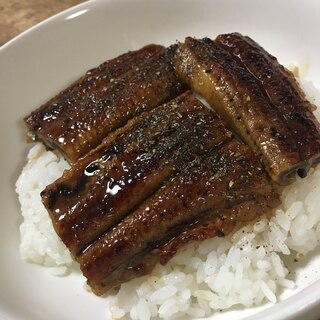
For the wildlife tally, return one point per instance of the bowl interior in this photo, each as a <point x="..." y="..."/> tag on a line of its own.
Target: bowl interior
<point x="42" y="61"/>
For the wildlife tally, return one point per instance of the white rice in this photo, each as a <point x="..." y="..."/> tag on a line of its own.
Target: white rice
<point x="245" y="268"/>
<point x="39" y="242"/>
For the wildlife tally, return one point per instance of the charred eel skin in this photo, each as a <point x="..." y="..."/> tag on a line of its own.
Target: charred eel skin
<point x="133" y="88"/>
<point x="223" y="179"/>
<point x="130" y="164"/>
<point x="65" y="107"/>
<point x="285" y="94"/>
<point x="238" y="97"/>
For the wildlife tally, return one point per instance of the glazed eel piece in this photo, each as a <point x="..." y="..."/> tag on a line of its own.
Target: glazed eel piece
<point x="226" y="177"/>
<point x="140" y="89"/>
<point x="130" y="164"/>
<point x="285" y="94"/>
<point x="237" y="96"/>
<point x="67" y="105"/>
<point x="214" y="223"/>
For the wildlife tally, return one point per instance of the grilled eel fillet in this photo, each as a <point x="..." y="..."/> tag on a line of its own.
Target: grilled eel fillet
<point x="68" y="104"/>
<point x="214" y="223"/>
<point x="201" y="200"/>
<point x="131" y="163"/>
<point x="127" y="86"/>
<point x="285" y="94"/>
<point x="238" y="97"/>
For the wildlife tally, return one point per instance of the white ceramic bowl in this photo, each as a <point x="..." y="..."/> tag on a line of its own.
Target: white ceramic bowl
<point x="43" y="60"/>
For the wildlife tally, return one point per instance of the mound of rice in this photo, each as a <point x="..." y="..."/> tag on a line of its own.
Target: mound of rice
<point x="245" y="268"/>
<point x="39" y="242"/>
